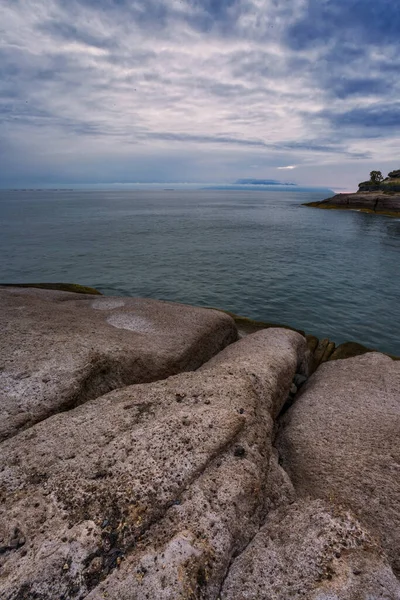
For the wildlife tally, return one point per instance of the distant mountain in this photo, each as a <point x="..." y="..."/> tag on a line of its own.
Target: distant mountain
<point x="262" y="182"/>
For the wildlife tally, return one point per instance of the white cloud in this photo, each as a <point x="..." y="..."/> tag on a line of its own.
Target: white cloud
<point x="115" y="85"/>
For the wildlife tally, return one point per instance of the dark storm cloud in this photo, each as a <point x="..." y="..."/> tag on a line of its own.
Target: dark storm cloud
<point x="381" y="118"/>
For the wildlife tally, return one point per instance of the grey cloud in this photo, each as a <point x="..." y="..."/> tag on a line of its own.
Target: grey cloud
<point x="201" y="74"/>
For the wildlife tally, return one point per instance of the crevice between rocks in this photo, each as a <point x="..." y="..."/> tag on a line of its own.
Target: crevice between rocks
<point x="102" y="375"/>
<point x="298" y="382"/>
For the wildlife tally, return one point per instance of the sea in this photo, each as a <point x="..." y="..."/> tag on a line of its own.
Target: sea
<point x="260" y="254"/>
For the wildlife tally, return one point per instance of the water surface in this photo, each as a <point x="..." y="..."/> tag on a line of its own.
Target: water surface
<point x="259" y="254"/>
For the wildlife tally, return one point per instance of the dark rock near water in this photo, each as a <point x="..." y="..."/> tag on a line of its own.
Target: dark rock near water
<point x="349" y="350"/>
<point x="373" y="202"/>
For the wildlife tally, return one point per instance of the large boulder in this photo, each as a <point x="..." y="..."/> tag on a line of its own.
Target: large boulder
<point x="59" y="349"/>
<point x="340" y="442"/>
<point x="314" y="551"/>
<point x="149" y="491"/>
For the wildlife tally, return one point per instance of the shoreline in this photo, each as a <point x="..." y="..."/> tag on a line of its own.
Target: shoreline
<point x="322" y="350"/>
<point x="153" y="449"/>
<point x="385" y="204"/>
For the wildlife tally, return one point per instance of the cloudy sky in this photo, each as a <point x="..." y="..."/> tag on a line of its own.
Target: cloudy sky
<point x="108" y="91"/>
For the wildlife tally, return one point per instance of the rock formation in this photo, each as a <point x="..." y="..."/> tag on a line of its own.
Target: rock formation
<point x="371" y="202"/>
<point x="340" y="442"/>
<point x="60" y="349"/>
<point x="179" y="488"/>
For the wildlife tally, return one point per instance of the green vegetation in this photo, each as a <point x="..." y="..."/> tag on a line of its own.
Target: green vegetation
<point x="376" y="182"/>
<point x="376" y="177"/>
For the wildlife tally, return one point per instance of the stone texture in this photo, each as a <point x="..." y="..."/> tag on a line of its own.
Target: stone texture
<point x="340" y="442"/>
<point x="59" y="349"/>
<point x="311" y="550"/>
<point x="149" y="491"/>
<point x="378" y="202"/>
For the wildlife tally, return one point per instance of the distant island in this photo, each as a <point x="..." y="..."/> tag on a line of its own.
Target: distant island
<point x="262" y="182"/>
<point x="378" y="195"/>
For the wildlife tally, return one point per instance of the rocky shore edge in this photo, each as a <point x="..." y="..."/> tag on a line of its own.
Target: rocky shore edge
<point x="379" y="203"/>
<point x="321" y="350"/>
<point x="153" y="450"/>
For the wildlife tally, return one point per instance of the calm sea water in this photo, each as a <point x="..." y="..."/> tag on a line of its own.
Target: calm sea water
<point x="259" y="254"/>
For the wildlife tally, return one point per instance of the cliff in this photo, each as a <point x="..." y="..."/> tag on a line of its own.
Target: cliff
<point x="377" y="202"/>
<point x="378" y="195"/>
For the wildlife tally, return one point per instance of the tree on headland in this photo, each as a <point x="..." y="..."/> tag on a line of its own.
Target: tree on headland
<point x="377" y="182"/>
<point x="376" y="177"/>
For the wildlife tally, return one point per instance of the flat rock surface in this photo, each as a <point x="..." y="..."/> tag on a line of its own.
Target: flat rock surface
<point x="149" y="491"/>
<point x="340" y="442"/>
<point x="59" y="349"/>
<point x="314" y="551"/>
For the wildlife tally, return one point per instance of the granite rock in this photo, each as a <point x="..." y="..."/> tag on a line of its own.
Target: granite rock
<point x="59" y="349"/>
<point x="149" y="491"/>
<point x="311" y="550"/>
<point x="340" y="442"/>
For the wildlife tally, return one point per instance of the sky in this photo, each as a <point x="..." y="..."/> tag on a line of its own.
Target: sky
<point x="118" y="91"/>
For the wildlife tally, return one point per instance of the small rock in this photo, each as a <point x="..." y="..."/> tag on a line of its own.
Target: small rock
<point x="299" y="380"/>
<point x="239" y="451"/>
<point x="293" y="389"/>
<point x="95" y="565"/>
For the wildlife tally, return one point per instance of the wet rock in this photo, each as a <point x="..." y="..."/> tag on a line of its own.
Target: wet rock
<point x="340" y="442"/>
<point x="60" y="349"/>
<point x="328" y="352"/>
<point x="312" y="343"/>
<point x="374" y="201"/>
<point x="349" y="350"/>
<point x="320" y="351"/>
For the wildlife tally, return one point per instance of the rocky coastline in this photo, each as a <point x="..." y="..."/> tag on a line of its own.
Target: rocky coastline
<point x="152" y="450"/>
<point x="379" y="203"/>
<point x="378" y="195"/>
